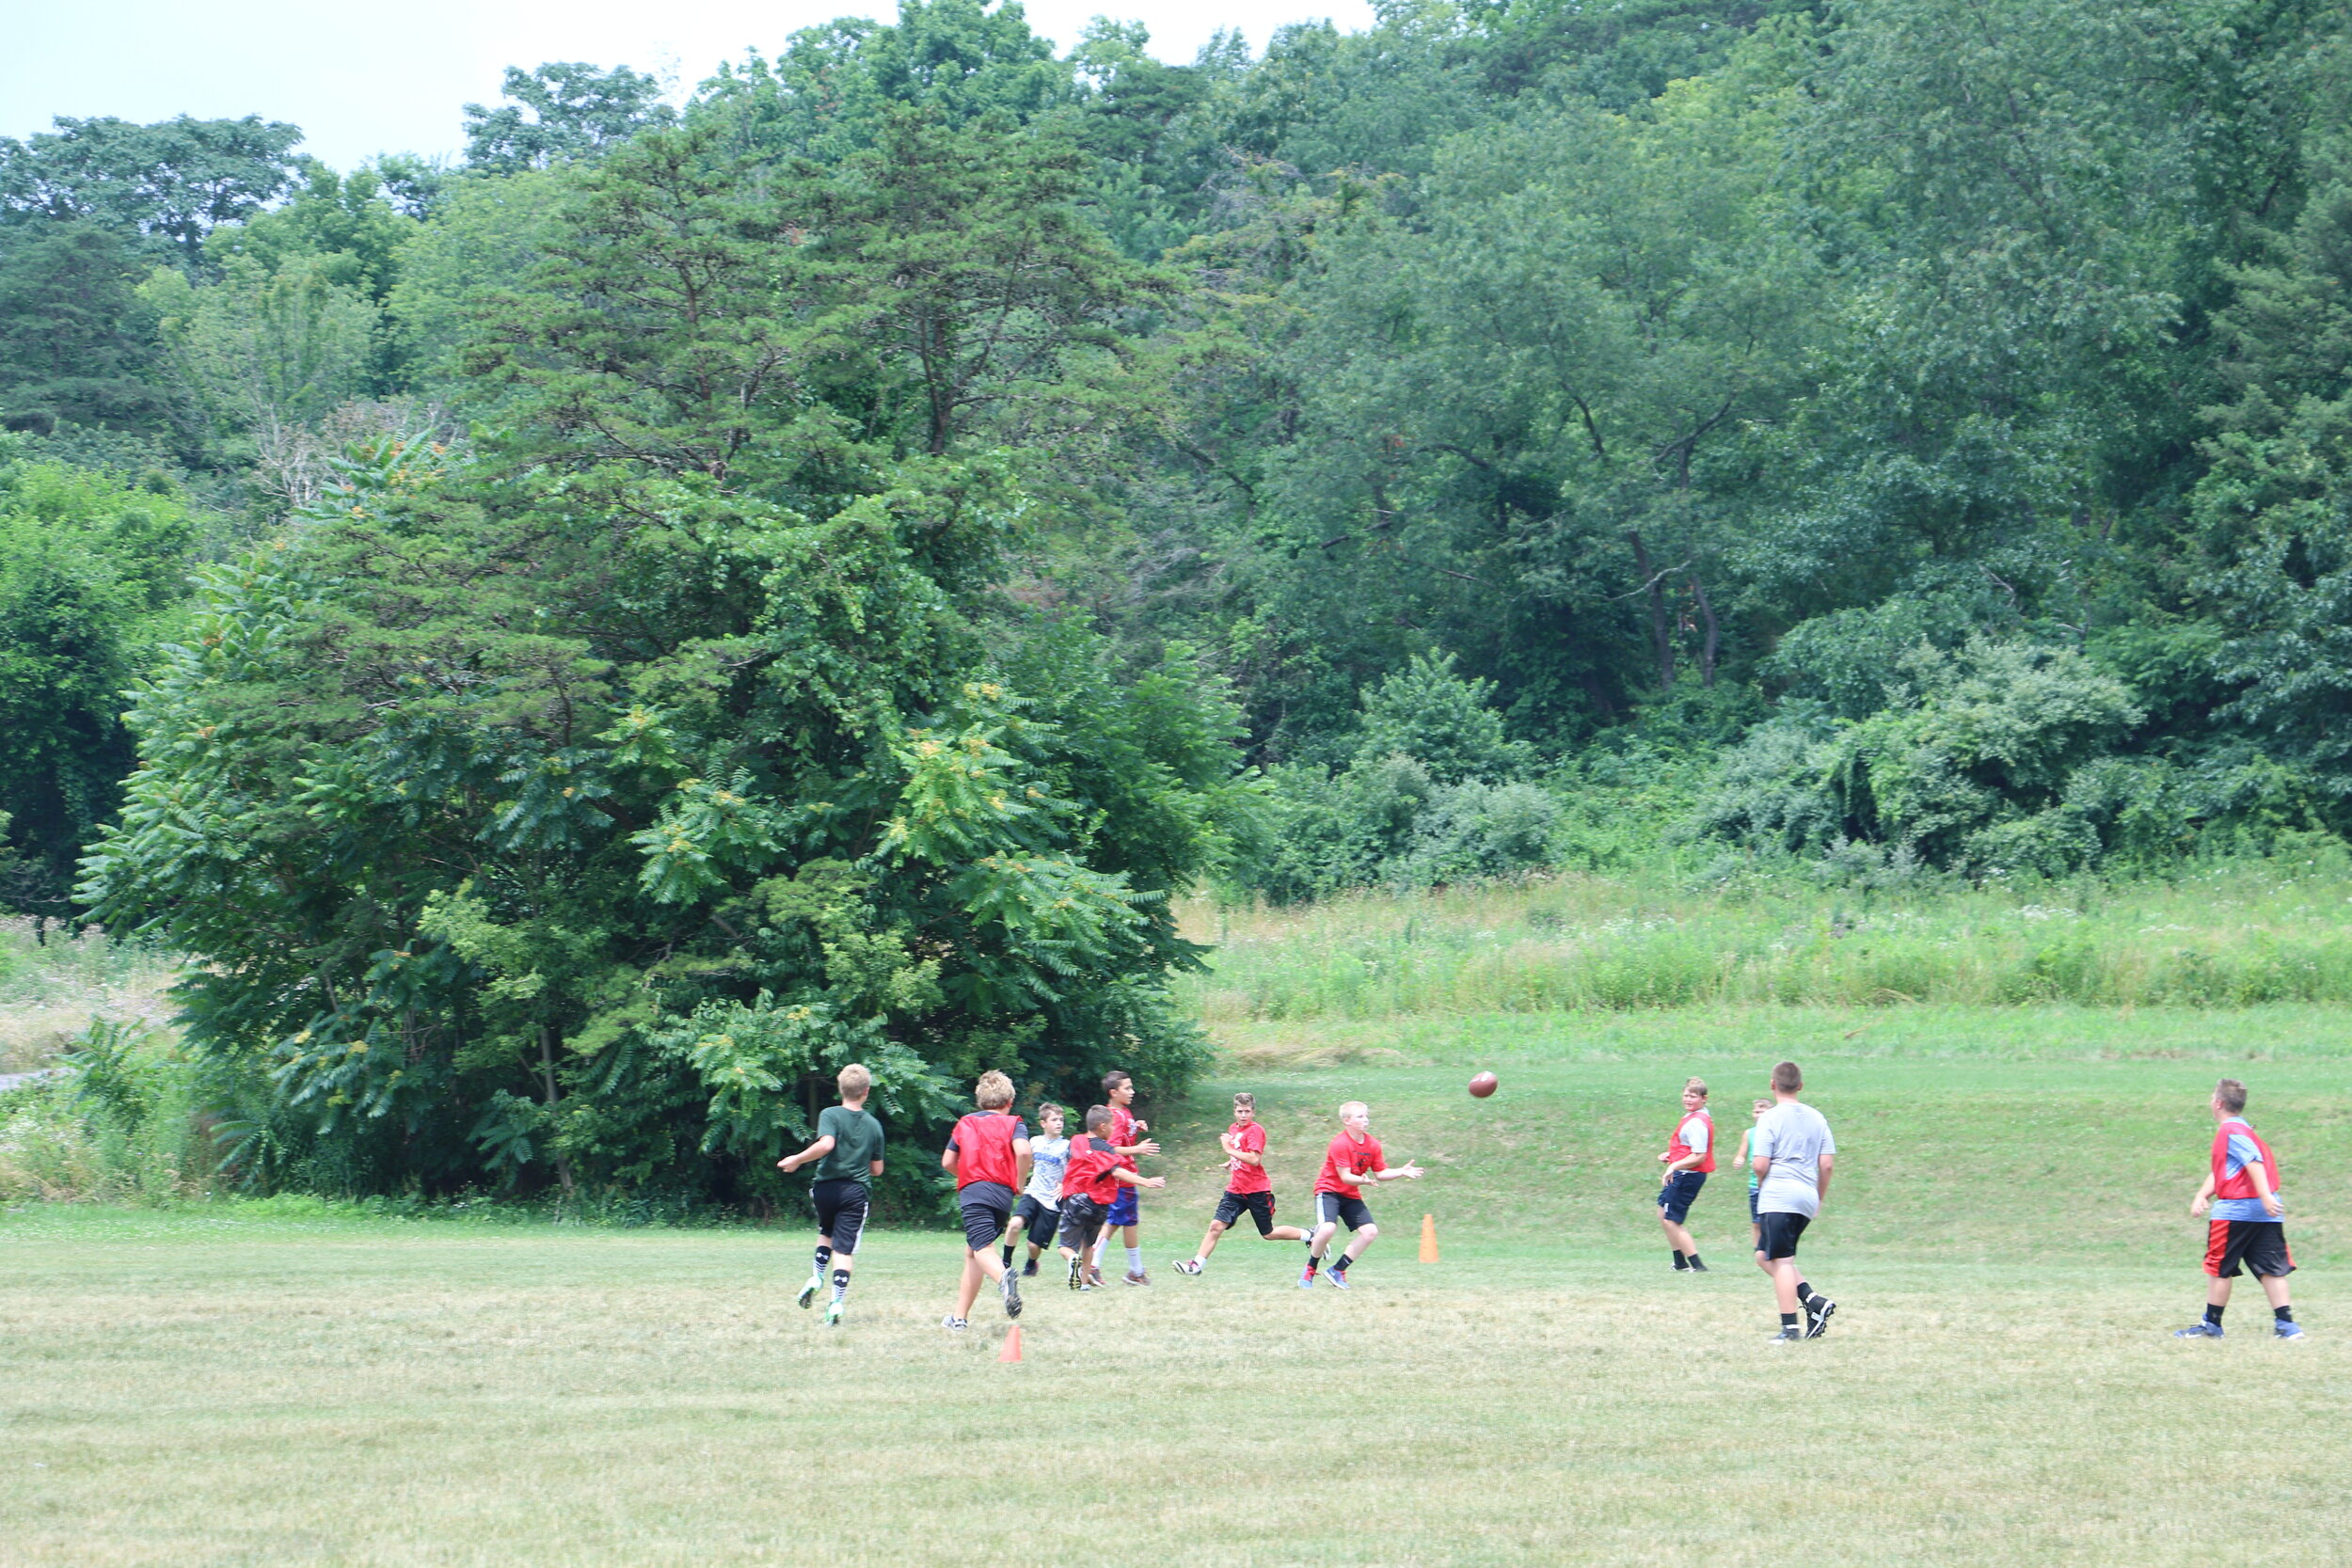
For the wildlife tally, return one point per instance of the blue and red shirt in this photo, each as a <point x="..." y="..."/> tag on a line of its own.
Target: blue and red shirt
<point x="2235" y="1146"/>
<point x="1682" y="1144"/>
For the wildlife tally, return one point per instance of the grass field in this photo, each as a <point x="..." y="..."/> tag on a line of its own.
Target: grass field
<point x="241" y="1384"/>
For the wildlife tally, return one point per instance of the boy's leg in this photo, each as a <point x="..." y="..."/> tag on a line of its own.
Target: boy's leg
<point x="1208" y="1241"/>
<point x="968" y="1289"/>
<point x="1364" y="1237"/>
<point x="1012" y="1235"/>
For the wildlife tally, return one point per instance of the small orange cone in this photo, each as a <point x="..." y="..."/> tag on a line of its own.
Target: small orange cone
<point x="1012" y="1345"/>
<point x="1429" y="1238"/>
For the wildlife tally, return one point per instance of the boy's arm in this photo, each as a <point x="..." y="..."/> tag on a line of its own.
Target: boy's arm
<point x="1829" y="1164"/>
<point x="1120" y="1173"/>
<point x="1408" y="1171"/>
<point x="1145" y="1146"/>
<point x="1689" y="1161"/>
<point x="817" y="1150"/>
<point x="1249" y="1159"/>
<point x="2261" y="1173"/>
<point x="947" y="1160"/>
<point x="1021" y="1167"/>
<point x="2203" y="1200"/>
<point x="875" y="1166"/>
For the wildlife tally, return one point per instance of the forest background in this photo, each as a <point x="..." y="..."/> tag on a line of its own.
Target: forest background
<point x="682" y="597"/>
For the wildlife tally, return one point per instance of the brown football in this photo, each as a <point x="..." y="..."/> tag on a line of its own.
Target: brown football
<point x="1484" y="1085"/>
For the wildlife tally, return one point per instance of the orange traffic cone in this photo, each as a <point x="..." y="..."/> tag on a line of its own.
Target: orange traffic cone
<point x="1429" y="1238"/>
<point x="1012" y="1345"/>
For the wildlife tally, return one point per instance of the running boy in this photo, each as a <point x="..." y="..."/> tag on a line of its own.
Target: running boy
<point x="1039" y="1208"/>
<point x="2241" y="1192"/>
<point x="1092" y="1180"/>
<point x="1247" y="1188"/>
<point x="988" y="1155"/>
<point x="1127" y="1139"/>
<point x="1744" y="1160"/>
<point x="1689" y="1158"/>
<point x="848" y="1153"/>
<point x="1354" y="1158"/>
<point x="1792" y="1153"/>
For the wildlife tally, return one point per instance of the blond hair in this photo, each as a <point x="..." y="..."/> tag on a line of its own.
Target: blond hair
<point x="853" y="1081"/>
<point x="1354" y="1107"/>
<point x="994" y="1091"/>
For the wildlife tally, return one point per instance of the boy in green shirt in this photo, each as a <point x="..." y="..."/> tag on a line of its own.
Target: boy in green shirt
<point x="848" y="1153"/>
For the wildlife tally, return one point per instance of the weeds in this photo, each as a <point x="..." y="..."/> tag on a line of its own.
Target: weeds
<point x="2236" y="934"/>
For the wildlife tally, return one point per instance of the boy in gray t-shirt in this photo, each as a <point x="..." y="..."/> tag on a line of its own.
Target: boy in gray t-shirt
<point x="1038" y="1212"/>
<point x="1793" y="1154"/>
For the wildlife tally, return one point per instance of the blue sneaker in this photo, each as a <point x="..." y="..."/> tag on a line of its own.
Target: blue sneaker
<point x="1307" y="1279"/>
<point x="1339" y="1279"/>
<point x="2199" y="1331"/>
<point x="2287" y="1330"/>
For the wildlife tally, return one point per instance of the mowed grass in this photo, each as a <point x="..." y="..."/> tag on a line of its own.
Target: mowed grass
<point x="2006" y="1235"/>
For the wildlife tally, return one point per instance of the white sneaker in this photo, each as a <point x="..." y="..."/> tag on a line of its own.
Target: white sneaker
<point x="1190" y="1265"/>
<point x="954" y="1323"/>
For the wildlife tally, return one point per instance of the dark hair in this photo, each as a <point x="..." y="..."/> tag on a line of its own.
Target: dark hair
<point x="1787" y="1079"/>
<point x="2232" y="1094"/>
<point x="1247" y="1098"/>
<point x="1048" y="1109"/>
<point x="1097" y="1118"/>
<point x="1112" y="1079"/>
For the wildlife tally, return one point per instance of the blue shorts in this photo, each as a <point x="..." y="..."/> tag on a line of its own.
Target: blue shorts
<point x="1681" y="1189"/>
<point x="1122" y="1206"/>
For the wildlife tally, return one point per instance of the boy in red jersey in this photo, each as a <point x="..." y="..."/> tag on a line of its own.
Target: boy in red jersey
<point x="1247" y="1188"/>
<point x="1689" y="1156"/>
<point x="1354" y="1158"/>
<point x="1091" y="1179"/>
<point x="988" y="1155"/>
<point x="1128" y="1140"/>
<point x="2242" y="1193"/>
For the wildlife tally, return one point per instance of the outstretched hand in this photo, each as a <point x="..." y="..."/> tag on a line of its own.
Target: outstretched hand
<point x="1409" y="1171"/>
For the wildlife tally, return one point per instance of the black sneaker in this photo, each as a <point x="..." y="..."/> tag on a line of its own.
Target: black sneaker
<point x="1817" y="1313"/>
<point x="1787" y="1336"/>
<point x="1028" y="1270"/>
<point x="1010" y="1291"/>
<point x="1077" y="1273"/>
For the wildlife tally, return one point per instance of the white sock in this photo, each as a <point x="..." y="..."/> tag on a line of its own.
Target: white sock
<point x="1135" y="1259"/>
<point x="1101" y="1245"/>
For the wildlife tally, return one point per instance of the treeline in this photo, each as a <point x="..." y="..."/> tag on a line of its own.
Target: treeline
<point x="684" y="595"/>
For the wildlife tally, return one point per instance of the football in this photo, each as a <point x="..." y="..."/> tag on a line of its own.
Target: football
<point x="1483" y="1085"/>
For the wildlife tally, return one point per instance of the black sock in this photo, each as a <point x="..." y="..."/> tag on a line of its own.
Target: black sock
<point x="840" y="1279"/>
<point x="1787" y="1320"/>
<point x="1009" y="1254"/>
<point x="1695" y="1263"/>
<point x="2284" y="1314"/>
<point x="824" y="1256"/>
<point x="1340" y="1266"/>
<point x="1678" y="1262"/>
<point x="1804" y="1293"/>
<point x="2213" y="1313"/>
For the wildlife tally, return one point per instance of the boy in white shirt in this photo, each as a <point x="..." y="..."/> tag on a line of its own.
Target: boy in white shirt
<point x="1039" y="1211"/>
<point x="1793" y="1156"/>
<point x="1689" y="1156"/>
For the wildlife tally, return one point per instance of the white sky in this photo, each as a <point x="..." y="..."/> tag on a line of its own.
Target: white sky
<point x="367" y="79"/>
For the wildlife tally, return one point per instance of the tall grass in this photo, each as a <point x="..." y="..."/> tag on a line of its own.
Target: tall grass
<point x="51" y="990"/>
<point x="2227" y="935"/>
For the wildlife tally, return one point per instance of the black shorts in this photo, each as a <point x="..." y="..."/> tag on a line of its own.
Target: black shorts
<point x="841" y="1211"/>
<point x="1080" y="1221"/>
<point x="1340" y="1208"/>
<point x="987" y="1209"/>
<point x="1780" y="1233"/>
<point x="2259" y="1245"/>
<point x="1257" y="1206"/>
<point x="1037" y="1221"/>
<point x="1681" y="1189"/>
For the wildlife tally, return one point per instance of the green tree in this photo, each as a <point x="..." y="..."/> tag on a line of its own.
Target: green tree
<point x="560" y="113"/>
<point x="75" y="342"/>
<point x="175" y="181"/>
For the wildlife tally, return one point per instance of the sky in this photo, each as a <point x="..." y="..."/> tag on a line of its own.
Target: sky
<point x="364" y="79"/>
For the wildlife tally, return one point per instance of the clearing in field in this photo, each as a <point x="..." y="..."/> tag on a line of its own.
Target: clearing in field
<point x="2007" y="1236"/>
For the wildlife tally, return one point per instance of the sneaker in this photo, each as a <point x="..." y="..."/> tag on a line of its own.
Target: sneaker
<point x="1189" y="1266"/>
<point x="955" y="1324"/>
<point x="1077" y="1273"/>
<point x="1028" y="1270"/>
<point x="1010" y="1291"/>
<point x="2199" y="1331"/>
<point x="1307" y="1279"/>
<point x="1817" y="1317"/>
<point x="808" y="1291"/>
<point x="1787" y="1336"/>
<point x="832" y="1314"/>
<point x="1339" y="1279"/>
<point x="1137" y="1278"/>
<point x="2288" y="1330"/>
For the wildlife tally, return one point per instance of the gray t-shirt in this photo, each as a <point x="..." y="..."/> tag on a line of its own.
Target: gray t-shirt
<point x="1047" y="1157"/>
<point x="1796" y="1137"/>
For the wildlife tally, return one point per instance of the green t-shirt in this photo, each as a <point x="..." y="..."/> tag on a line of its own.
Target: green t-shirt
<point x="857" y="1143"/>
